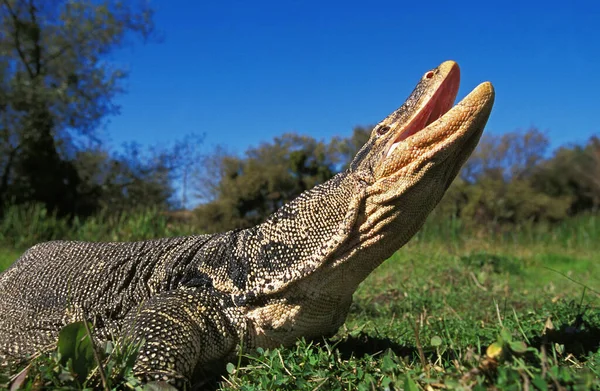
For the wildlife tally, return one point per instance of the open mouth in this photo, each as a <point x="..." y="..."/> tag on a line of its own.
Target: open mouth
<point x="433" y="107"/>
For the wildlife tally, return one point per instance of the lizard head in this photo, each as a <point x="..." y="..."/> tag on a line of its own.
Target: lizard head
<point x="413" y="155"/>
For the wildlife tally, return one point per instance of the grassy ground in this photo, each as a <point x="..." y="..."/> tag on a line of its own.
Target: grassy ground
<point x="518" y="310"/>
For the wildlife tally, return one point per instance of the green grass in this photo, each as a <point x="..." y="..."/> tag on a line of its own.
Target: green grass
<point x="7" y="257"/>
<point x="454" y="309"/>
<point x="23" y="226"/>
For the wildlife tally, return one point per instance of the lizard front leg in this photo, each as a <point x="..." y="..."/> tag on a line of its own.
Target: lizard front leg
<point x="183" y="331"/>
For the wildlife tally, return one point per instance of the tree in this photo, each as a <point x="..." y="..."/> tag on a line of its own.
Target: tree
<point x="243" y="191"/>
<point x="186" y="159"/>
<point x="573" y="171"/>
<point x="510" y="155"/>
<point x="129" y="180"/>
<point x="347" y="148"/>
<point x="57" y="88"/>
<point x="590" y="172"/>
<point x="496" y="185"/>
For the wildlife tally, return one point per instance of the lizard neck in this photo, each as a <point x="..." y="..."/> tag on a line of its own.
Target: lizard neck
<point x="301" y="236"/>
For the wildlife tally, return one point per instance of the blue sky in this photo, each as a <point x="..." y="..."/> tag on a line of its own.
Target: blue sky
<point x="242" y="72"/>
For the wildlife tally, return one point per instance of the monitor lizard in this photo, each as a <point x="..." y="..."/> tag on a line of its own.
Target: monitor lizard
<point x="194" y="301"/>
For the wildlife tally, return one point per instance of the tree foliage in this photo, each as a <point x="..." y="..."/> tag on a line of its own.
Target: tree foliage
<point x="574" y="172"/>
<point x="509" y="179"/>
<point x="346" y="148"/>
<point x="243" y="191"/>
<point x="496" y="187"/>
<point x="57" y="86"/>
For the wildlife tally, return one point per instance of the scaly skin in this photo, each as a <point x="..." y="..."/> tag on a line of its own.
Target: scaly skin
<point x="194" y="300"/>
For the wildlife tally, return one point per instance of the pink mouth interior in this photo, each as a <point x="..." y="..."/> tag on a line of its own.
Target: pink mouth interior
<point x="441" y="101"/>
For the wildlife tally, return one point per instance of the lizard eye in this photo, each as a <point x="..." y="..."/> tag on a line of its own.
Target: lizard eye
<point x="383" y="130"/>
<point x="428" y="75"/>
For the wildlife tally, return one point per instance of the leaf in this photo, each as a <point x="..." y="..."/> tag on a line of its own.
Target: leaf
<point x="494" y="350"/>
<point x="560" y="349"/>
<point x="409" y="384"/>
<point x="518" y="346"/>
<point x="75" y="346"/>
<point x="230" y="368"/>
<point x="359" y="373"/>
<point x="385" y="382"/>
<point x="539" y="383"/>
<point x="505" y="335"/>
<point x="436" y="341"/>
<point x="387" y="363"/>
